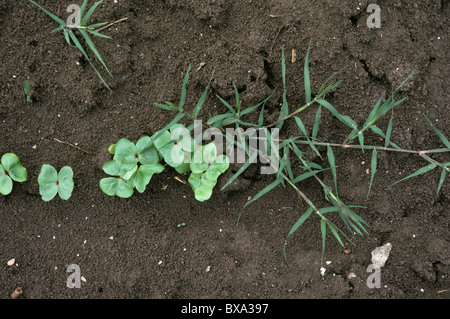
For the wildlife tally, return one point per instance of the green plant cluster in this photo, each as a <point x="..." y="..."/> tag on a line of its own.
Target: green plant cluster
<point x="133" y="165"/>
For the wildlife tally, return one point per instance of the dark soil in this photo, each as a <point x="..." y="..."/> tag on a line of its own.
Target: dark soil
<point x="132" y="248"/>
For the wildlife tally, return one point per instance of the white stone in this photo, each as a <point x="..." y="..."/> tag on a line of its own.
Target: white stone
<point x="381" y="254"/>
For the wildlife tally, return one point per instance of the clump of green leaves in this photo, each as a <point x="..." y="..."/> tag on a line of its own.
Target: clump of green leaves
<point x="11" y="170"/>
<point x="84" y="29"/>
<point x="52" y="182"/>
<point x="27" y="91"/>
<point x="133" y="166"/>
<point x="205" y="172"/>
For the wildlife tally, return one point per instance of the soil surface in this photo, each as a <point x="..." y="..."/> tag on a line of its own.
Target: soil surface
<point x="132" y="248"/>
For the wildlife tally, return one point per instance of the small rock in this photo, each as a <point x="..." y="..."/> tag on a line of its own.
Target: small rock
<point x="381" y="254"/>
<point x="351" y="275"/>
<point x="16" y="293"/>
<point x="208" y="268"/>
<point x="11" y="262"/>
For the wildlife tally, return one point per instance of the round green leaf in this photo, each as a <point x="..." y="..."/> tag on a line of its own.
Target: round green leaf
<point x="6" y="183"/>
<point x="143" y="176"/>
<point x="111" y="168"/>
<point x="47" y="182"/>
<point x="126" y="154"/>
<point x="12" y="165"/>
<point x="114" y="186"/>
<point x="146" y="151"/>
<point x="65" y="182"/>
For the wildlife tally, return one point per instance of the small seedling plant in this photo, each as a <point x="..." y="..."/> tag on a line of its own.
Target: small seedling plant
<point x="51" y="182"/>
<point x="81" y="26"/>
<point x="11" y="170"/>
<point x="27" y="91"/>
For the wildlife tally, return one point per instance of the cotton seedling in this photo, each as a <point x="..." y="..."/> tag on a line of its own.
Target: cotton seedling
<point x="133" y="166"/>
<point x="81" y="26"/>
<point x="52" y="182"/>
<point x="206" y="168"/>
<point x="11" y="170"/>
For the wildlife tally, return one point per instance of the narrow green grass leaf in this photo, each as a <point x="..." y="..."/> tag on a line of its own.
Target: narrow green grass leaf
<point x="236" y="95"/>
<point x="250" y="160"/>
<point x="317" y="122"/>
<point x="373" y="167"/>
<point x="332" y="162"/>
<point x="94" y="49"/>
<point x="343" y="118"/>
<point x="57" y="29"/>
<point x="78" y="45"/>
<point x="323" y="230"/>
<point x="183" y="89"/>
<point x="81" y="12"/>
<point x="306" y="175"/>
<point x="387" y="141"/>
<point x="202" y="99"/>
<point x="441" y="136"/>
<point x="422" y="170"/>
<point x="306" y="77"/>
<point x="441" y="179"/>
<point x="89" y="13"/>
<point x="284" y="107"/>
<point x="378" y="131"/>
<point x="264" y="191"/>
<point x="302" y="128"/>
<point x="96" y="25"/>
<point x="361" y="140"/>
<point x="371" y="118"/>
<point x="232" y="110"/>
<point x="335" y="233"/>
<point x="51" y="15"/>
<point x="301" y="220"/>
<point x="330" y="87"/>
<point x="98" y="34"/>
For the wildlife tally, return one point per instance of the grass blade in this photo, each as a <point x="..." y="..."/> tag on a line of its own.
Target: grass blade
<point x="51" y="15"/>
<point x="343" y="118"/>
<point x="202" y="99"/>
<point x="89" y="13"/>
<point x="332" y="162"/>
<point x="323" y="230"/>
<point x="264" y="191"/>
<point x="98" y="34"/>
<point x="317" y="122"/>
<point x="422" y="170"/>
<point x="373" y="167"/>
<point x="250" y="160"/>
<point x="301" y="220"/>
<point x="441" y="179"/>
<point x="94" y="49"/>
<point x="306" y="77"/>
<point x="81" y="12"/>
<point x="441" y="136"/>
<point x="388" y="134"/>
<point x="232" y="110"/>
<point x="183" y="89"/>
<point x="284" y="107"/>
<point x="78" y="45"/>
<point x="302" y="128"/>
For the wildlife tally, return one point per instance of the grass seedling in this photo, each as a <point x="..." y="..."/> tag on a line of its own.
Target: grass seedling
<point x="11" y="170"/>
<point x="81" y="26"/>
<point x="26" y="89"/>
<point x="51" y="182"/>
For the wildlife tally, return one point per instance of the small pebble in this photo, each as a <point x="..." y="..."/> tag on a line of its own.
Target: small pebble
<point x="11" y="262"/>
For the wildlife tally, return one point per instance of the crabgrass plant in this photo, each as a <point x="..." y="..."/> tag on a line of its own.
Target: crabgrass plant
<point x="11" y="170"/>
<point x="80" y="26"/>
<point x="27" y="91"/>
